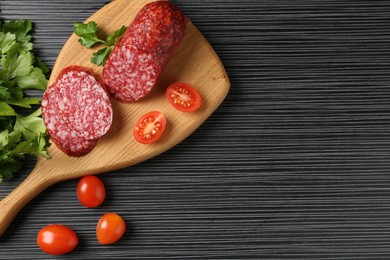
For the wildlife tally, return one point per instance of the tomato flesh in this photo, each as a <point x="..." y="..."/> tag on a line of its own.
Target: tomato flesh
<point x="110" y="228"/>
<point x="183" y="97"/>
<point x="150" y="127"/>
<point x="90" y="191"/>
<point x="57" y="239"/>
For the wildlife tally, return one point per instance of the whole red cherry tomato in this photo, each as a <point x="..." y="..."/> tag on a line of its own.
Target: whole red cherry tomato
<point x="91" y="191"/>
<point x="57" y="239"/>
<point x="110" y="228"/>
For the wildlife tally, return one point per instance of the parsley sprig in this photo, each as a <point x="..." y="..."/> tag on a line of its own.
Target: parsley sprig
<point x="20" y="70"/>
<point x="88" y="34"/>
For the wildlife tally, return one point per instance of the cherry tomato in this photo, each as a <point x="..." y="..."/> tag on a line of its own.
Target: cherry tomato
<point x="110" y="228"/>
<point x="57" y="239"/>
<point x="91" y="191"/>
<point x="183" y="97"/>
<point x="150" y="127"/>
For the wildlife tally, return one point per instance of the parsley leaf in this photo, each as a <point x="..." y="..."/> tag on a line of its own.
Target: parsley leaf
<point x="88" y="37"/>
<point x="4" y="138"/>
<point x="16" y="92"/>
<point x="20" y="28"/>
<point x="113" y="37"/>
<point x="88" y="33"/>
<point x="17" y="63"/>
<point x="8" y="167"/>
<point x="25" y="102"/>
<point x="8" y="139"/>
<point x="39" y="64"/>
<point x="100" y="57"/>
<point x="30" y="125"/>
<point x="7" y="41"/>
<point x="6" y="110"/>
<point x="20" y="135"/>
<point x="33" y="146"/>
<point x="4" y="93"/>
<point x="35" y="80"/>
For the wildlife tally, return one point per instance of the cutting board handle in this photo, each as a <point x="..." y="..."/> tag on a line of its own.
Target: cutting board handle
<point x="34" y="184"/>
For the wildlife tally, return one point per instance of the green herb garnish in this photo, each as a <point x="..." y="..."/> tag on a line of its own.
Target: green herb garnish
<point x="88" y="34"/>
<point x="19" y="70"/>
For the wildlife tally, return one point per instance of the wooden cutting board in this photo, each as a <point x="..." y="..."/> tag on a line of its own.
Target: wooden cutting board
<point x="195" y="63"/>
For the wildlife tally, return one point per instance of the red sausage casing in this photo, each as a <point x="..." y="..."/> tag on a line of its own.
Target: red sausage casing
<point x="132" y="69"/>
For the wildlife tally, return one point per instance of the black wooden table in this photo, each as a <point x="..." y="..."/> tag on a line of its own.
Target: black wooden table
<point x="294" y="165"/>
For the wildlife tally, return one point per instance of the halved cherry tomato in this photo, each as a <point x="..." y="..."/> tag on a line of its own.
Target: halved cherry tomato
<point x="57" y="239"/>
<point x="183" y="97"/>
<point x="110" y="228"/>
<point x="91" y="191"/>
<point x="150" y="127"/>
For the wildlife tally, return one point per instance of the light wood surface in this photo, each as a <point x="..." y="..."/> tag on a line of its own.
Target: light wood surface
<point x="195" y="63"/>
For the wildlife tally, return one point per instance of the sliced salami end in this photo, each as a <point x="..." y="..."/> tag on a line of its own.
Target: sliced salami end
<point x="132" y="69"/>
<point x="84" y="102"/>
<point x="62" y="136"/>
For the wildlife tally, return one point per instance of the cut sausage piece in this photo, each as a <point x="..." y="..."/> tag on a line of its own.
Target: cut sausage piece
<point x="83" y="102"/>
<point x="77" y="111"/>
<point x="58" y="128"/>
<point x="132" y="69"/>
